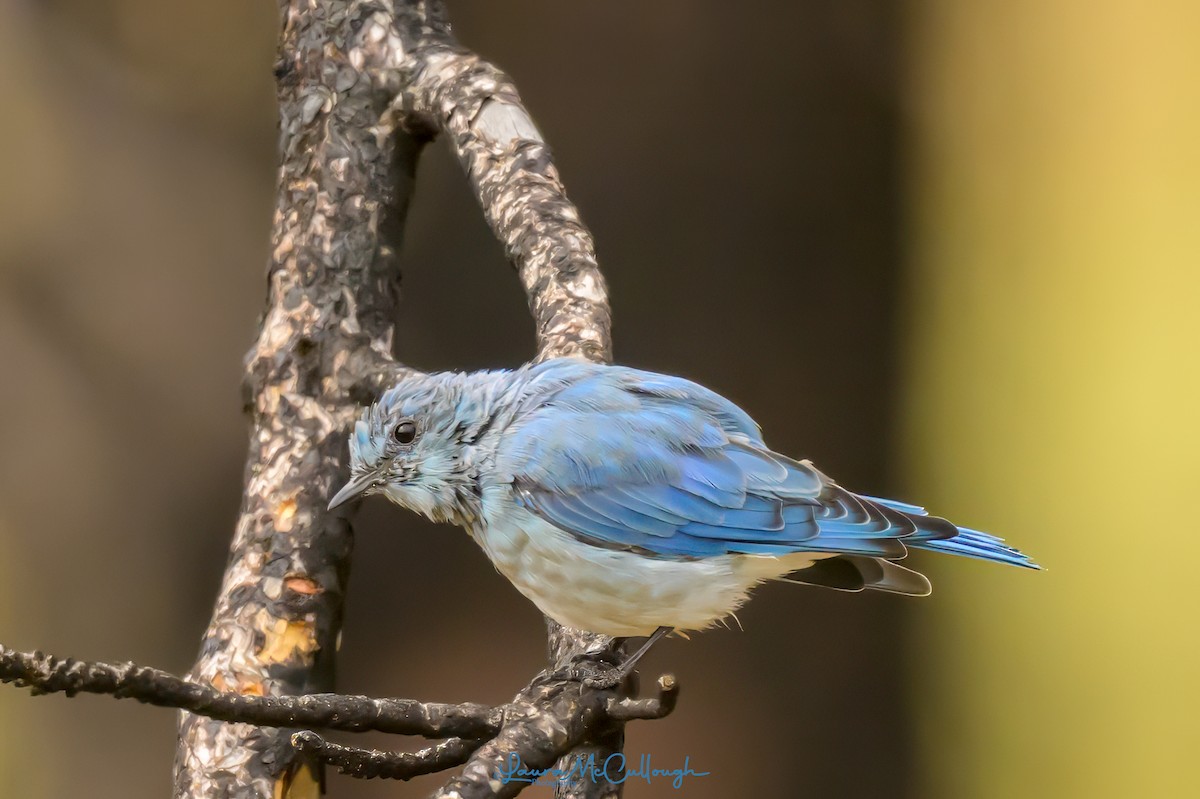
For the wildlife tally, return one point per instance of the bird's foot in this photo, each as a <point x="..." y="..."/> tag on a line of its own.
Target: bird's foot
<point x="600" y="670"/>
<point x="606" y="677"/>
<point x="590" y="671"/>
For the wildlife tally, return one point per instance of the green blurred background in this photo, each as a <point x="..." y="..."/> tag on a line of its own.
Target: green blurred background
<point x="949" y="250"/>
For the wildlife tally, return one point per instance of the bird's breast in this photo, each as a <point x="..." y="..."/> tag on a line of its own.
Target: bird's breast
<point x="604" y="590"/>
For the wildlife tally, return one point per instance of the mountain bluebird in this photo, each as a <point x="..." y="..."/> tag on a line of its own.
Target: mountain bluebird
<point x="632" y="503"/>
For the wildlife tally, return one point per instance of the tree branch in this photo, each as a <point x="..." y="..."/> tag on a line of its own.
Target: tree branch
<point x="547" y="720"/>
<point x="371" y="763"/>
<point x="362" y="85"/>
<point x="527" y="741"/>
<point x="525" y="202"/>
<point x="519" y="189"/>
<point x="547" y="723"/>
<point x="46" y="674"/>
<point x="324" y="349"/>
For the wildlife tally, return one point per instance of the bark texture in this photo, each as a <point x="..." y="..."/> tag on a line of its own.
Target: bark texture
<point x="547" y="719"/>
<point x="362" y="85"/>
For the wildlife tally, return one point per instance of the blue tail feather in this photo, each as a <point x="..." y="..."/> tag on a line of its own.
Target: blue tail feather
<point x="969" y="543"/>
<point x="974" y="544"/>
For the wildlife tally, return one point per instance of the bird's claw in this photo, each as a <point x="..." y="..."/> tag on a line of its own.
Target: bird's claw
<point x="587" y="671"/>
<point x="605" y="680"/>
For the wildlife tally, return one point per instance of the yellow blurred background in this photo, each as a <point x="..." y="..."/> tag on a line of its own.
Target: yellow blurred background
<point x="1054" y="389"/>
<point x="948" y="250"/>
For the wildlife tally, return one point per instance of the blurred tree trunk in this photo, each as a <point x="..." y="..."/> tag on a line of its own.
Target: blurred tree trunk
<point x="1054" y="391"/>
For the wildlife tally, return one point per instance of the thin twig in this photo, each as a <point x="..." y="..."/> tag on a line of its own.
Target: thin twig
<point x="371" y="763"/>
<point x="627" y="709"/>
<point x="46" y="674"/>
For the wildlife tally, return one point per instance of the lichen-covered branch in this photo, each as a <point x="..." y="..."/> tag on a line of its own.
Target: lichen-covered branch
<point x="362" y="84"/>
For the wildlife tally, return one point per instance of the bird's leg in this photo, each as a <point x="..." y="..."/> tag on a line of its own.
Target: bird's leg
<point x="590" y="669"/>
<point x="625" y="668"/>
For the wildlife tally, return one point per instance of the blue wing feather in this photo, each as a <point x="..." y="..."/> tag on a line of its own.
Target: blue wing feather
<point x="630" y="460"/>
<point x="623" y="515"/>
<point x="569" y="515"/>
<point x="673" y="501"/>
<point x="712" y="475"/>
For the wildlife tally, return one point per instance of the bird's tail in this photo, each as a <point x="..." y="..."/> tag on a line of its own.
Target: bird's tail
<point x="976" y="544"/>
<point x="968" y="542"/>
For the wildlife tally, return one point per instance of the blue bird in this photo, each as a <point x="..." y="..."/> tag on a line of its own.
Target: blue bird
<point x="632" y="503"/>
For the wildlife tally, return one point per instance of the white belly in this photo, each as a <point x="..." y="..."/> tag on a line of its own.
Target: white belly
<point x="614" y="592"/>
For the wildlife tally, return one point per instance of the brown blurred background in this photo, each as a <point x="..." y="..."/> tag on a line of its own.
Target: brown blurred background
<point x="948" y="250"/>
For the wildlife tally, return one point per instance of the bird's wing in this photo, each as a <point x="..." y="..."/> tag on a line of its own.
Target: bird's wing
<point x="620" y="464"/>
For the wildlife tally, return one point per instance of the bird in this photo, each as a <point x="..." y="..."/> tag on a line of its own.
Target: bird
<point x="631" y="503"/>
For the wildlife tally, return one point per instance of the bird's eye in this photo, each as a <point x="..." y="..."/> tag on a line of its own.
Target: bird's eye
<point x="405" y="432"/>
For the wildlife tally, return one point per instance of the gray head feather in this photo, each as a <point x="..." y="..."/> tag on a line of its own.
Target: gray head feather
<point x="421" y="443"/>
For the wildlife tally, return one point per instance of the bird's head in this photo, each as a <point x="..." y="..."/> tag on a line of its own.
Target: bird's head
<point x="416" y="446"/>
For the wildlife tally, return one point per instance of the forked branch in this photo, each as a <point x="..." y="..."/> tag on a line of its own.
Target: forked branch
<point x="363" y="84"/>
<point x="499" y="745"/>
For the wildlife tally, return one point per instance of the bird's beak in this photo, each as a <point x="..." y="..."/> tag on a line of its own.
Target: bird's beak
<point x="352" y="489"/>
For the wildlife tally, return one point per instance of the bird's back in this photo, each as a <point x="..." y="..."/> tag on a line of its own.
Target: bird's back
<point x="624" y="458"/>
